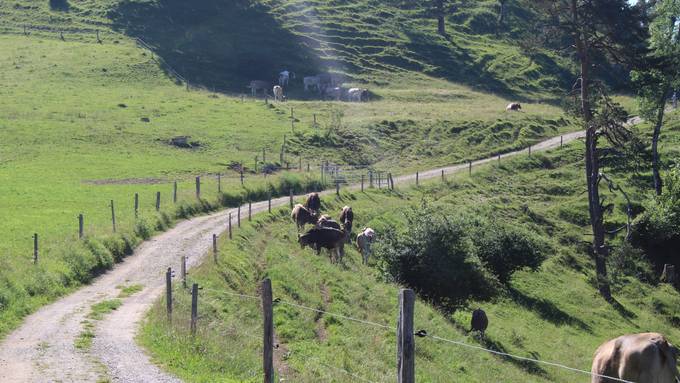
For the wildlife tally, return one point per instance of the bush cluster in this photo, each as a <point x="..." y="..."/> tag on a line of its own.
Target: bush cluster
<point x="449" y="258"/>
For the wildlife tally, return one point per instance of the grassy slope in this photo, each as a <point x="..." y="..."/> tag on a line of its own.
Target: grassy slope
<point x="554" y="314"/>
<point x="63" y="129"/>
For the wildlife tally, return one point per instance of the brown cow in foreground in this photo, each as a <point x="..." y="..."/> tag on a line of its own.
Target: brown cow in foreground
<point x="302" y="216"/>
<point x="325" y="237"/>
<point x="639" y="358"/>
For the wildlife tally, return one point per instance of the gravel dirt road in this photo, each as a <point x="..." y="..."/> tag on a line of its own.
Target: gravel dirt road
<point x="43" y="348"/>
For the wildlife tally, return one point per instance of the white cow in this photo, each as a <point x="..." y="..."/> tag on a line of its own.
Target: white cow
<point x="357" y="94"/>
<point x="364" y="241"/>
<point x="278" y="93"/>
<point x="312" y="82"/>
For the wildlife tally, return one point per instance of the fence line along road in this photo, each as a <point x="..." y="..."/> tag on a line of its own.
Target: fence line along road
<point x="44" y="344"/>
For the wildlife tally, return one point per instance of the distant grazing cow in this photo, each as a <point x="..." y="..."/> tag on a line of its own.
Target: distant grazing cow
<point x="639" y="358"/>
<point x="479" y="321"/>
<point x="336" y="93"/>
<point x="301" y="216"/>
<point x="312" y="82"/>
<point x="364" y="242"/>
<point x="284" y="77"/>
<point x="313" y="202"/>
<point x="513" y="107"/>
<point x="357" y="95"/>
<point x="257" y="85"/>
<point x="325" y="237"/>
<point x="278" y="93"/>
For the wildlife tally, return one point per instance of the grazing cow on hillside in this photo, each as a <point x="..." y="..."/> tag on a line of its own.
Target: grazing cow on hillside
<point x="357" y="95"/>
<point x="639" y="358"/>
<point x="312" y="82"/>
<point x="278" y="93"/>
<point x="326" y="221"/>
<point x="313" y="202"/>
<point x="364" y="242"/>
<point x="301" y="216"/>
<point x="336" y="93"/>
<point x="325" y="237"/>
<point x="284" y="77"/>
<point x="479" y="321"/>
<point x="257" y="85"/>
<point x="513" y="107"/>
<point x="347" y="219"/>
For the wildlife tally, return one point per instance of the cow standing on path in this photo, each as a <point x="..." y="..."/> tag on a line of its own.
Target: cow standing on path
<point x="639" y="358"/>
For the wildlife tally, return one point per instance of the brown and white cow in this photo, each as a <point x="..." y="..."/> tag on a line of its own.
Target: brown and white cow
<point x="278" y="93"/>
<point x="364" y="241"/>
<point x="313" y="202"/>
<point x="639" y="358"/>
<point x="513" y="107"/>
<point x="302" y="216"/>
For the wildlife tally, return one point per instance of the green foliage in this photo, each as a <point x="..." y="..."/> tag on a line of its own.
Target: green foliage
<point x="629" y="261"/>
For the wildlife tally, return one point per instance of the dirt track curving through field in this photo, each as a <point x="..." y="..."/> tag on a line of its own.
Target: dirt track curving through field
<point x="43" y="348"/>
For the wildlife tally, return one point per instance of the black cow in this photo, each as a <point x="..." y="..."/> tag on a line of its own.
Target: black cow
<point x="325" y="237"/>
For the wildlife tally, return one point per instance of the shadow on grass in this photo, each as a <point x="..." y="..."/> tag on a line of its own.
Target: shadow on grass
<point x="547" y="310"/>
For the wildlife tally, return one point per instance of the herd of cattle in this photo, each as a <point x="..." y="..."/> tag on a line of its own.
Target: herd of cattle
<point x="328" y="233"/>
<point x="326" y="85"/>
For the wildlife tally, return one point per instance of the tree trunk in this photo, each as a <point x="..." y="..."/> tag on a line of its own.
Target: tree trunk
<point x="441" y="21"/>
<point x="592" y="163"/>
<point x="501" y="12"/>
<point x="658" y="183"/>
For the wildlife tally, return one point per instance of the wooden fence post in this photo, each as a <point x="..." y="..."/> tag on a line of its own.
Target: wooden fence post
<point x="300" y="164"/>
<point x="290" y="197"/>
<point x="229" y="225"/>
<point x="198" y="187"/>
<point x="307" y="167"/>
<point x="214" y="246"/>
<point x="264" y="158"/>
<point x="158" y="201"/>
<point x="370" y="179"/>
<point x="194" y="307"/>
<point x="269" y="203"/>
<point x="362" y="182"/>
<point x="443" y="175"/>
<point x="113" y="217"/>
<point x="499" y="158"/>
<point x="35" y="248"/>
<point x="238" y="217"/>
<point x="268" y="341"/>
<point x="168" y="293"/>
<point x="470" y="167"/>
<point x="379" y="181"/>
<point x="417" y="178"/>
<point x="406" y="338"/>
<point x="183" y="270"/>
<point x="174" y="192"/>
<point x="81" y="223"/>
<point x="337" y="187"/>
<point x="250" y="211"/>
<point x="243" y="177"/>
<point x="390" y="181"/>
<point x="136" y="205"/>
<point x="219" y="183"/>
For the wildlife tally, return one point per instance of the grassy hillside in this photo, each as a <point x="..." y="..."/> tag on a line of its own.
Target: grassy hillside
<point x="554" y="314"/>
<point x="85" y="122"/>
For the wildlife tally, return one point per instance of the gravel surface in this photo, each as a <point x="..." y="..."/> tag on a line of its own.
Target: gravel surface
<point x="42" y="349"/>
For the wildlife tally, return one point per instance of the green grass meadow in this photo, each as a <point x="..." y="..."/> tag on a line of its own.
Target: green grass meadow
<point x="554" y="314"/>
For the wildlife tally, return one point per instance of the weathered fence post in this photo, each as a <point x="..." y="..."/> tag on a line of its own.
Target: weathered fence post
<point x="269" y="203"/>
<point x="379" y="181"/>
<point x="219" y="183"/>
<point x="168" y="293"/>
<point x="98" y="39"/>
<point x="158" y="201"/>
<point x="174" y="192"/>
<point x="250" y="211"/>
<point x="300" y="164"/>
<point x="198" y="187"/>
<point x="229" y="225"/>
<point x="243" y="177"/>
<point x="314" y="119"/>
<point x="337" y="187"/>
<point x="136" y="205"/>
<point x="81" y="223"/>
<point x="390" y="181"/>
<point x="362" y="182"/>
<point x="406" y="338"/>
<point x="268" y="341"/>
<point x="529" y="150"/>
<point x="214" y="246"/>
<point x="370" y="179"/>
<point x="113" y="217"/>
<point x="499" y="158"/>
<point x="561" y="141"/>
<point x="264" y="157"/>
<point x="443" y="175"/>
<point x="307" y="167"/>
<point x="470" y="167"/>
<point x="183" y="270"/>
<point x="194" y="307"/>
<point x="290" y="197"/>
<point x="238" y="217"/>
<point x="35" y="248"/>
<point x="417" y="178"/>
